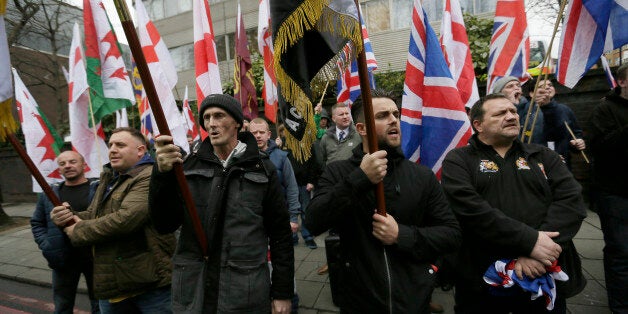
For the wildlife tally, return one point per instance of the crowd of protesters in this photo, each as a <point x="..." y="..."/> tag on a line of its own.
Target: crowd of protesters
<point x="504" y="214"/>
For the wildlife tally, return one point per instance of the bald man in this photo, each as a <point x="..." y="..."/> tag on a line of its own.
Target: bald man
<point x="67" y="262"/>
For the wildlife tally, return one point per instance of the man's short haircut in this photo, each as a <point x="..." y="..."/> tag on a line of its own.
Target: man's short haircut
<point x="134" y="133"/>
<point x="622" y="72"/>
<point x="338" y="105"/>
<point x="81" y="158"/>
<point x="357" y="110"/>
<point x="477" y="111"/>
<point x="260" y="121"/>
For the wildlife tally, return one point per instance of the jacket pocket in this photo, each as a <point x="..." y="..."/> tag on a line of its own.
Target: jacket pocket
<point x="188" y="282"/>
<point x="244" y="287"/>
<point x="135" y="272"/>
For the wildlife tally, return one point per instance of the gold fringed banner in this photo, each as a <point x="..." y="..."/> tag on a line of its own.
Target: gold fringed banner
<point x="7" y="123"/>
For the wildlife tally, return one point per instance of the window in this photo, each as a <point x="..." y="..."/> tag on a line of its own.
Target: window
<point x="183" y="57"/>
<point x="376" y="15"/>
<point x="160" y="9"/>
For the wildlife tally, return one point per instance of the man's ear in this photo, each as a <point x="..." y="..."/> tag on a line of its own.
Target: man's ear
<point x="477" y="124"/>
<point x="361" y="128"/>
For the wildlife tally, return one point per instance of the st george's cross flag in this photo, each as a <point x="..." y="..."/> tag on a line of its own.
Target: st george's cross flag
<point x="163" y="73"/>
<point x="433" y="117"/>
<point x="188" y="117"/>
<point x="265" y="46"/>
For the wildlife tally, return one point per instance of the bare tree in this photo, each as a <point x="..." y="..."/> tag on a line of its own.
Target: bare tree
<point x="40" y="34"/>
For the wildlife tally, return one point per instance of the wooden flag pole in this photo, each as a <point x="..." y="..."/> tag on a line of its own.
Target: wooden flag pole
<point x="33" y="170"/>
<point x="369" y="119"/>
<point x="545" y="62"/>
<point x="160" y="118"/>
<point x="575" y="138"/>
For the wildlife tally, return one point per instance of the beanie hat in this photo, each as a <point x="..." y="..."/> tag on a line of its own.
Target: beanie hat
<point x="500" y="83"/>
<point x="227" y="103"/>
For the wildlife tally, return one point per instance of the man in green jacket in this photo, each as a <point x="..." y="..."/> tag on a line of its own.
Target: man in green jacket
<point x="132" y="267"/>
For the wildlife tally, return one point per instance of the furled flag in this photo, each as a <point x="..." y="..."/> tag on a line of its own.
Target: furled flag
<point x="86" y="140"/>
<point x="244" y="86"/>
<point x="348" y="84"/>
<point x="122" y="119"/>
<point x="42" y="142"/>
<point x="308" y="37"/>
<point x="433" y="118"/>
<point x="205" y="57"/>
<point x="110" y="86"/>
<point x="265" y="46"/>
<point x="609" y="75"/>
<point x="455" y="45"/>
<point x="509" y="52"/>
<point x="163" y="72"/>
<point x="7" y="123"/>
<point x="591" y="27"/>
<point x="142" y="103"/>
<point x="187" y="114"/>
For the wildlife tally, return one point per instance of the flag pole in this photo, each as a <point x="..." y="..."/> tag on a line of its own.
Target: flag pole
<point x="543" y="64"/>
<point x="575" y="138"/>
<point x="33" y="170"/>
<point x="367" y="104"/>
<point x="162" y="123"/>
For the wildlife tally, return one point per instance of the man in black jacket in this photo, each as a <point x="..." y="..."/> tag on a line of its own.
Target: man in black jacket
<point x="242" y="211"/>
<point x="385" y="260"/>
<point x="609" y="144"/>
<point x="514" y="201"/>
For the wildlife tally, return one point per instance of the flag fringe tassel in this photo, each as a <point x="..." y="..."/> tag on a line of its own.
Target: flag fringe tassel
<point x="7" y="123"/>
<point x="311" y="14"/>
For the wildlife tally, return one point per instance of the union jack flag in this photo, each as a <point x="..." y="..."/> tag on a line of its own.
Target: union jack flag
<point x="433" y="118"/>
<point x="509" y="52"/>
<point x="348" y="85"/>
<point x="590" y="28"/>
<point x="146" y="117"/>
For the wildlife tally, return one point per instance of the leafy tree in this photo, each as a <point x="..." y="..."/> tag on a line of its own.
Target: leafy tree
<point x="479" y="31"/>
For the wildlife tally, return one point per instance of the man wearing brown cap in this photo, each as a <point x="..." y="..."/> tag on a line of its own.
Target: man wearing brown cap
<point x="242" y="211"/>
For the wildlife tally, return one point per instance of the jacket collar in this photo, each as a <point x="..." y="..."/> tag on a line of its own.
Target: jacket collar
<point x="206" y="151"/>
<point x="528" y="149"/>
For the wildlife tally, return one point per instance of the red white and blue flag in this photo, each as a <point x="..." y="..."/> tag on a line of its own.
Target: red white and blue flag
<point x="455" y="45"/>
<point x="433" y="117"/>
<point x="146" y="117"/>
<point x="348" y="84"/>
<point x="591" y="27"/>
<point x="609" y="75"/>
<point x="509" y="52"/>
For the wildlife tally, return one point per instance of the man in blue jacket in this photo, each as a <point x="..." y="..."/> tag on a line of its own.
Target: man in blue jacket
<point x="67" y="263"/>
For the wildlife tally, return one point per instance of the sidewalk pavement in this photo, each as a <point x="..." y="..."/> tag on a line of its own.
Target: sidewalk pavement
<point x="21" y="260"/>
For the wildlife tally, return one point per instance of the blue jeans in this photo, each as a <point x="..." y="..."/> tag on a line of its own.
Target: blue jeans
<point x="304" y="199"/>
<point x="155" y="301"/>
<point x="64" y="284"/>
<point x="613" y="212"/>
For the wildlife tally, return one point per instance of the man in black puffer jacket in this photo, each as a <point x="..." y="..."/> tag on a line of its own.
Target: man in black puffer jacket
<point x="385" y="260"/>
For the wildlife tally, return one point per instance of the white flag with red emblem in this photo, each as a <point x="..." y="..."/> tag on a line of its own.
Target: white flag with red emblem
<point x="86" y="140"/>
<point x="190" y="122"/>
<point x="205" y="57"/>
<point x="455" y="45"/>
<point x="265" y="45"/>
<point x="42" y="143"/>
<point x="163" y="72"/>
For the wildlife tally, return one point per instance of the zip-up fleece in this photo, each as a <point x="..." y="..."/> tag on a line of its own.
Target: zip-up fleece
<point x="376" y="278"/>
<point x="502" y="203"/>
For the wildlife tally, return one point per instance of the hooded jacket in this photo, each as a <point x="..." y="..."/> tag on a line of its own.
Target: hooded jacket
<point x="130" y="257"/>
<point x="377" y="278"/>
<point x="242" y="211"/>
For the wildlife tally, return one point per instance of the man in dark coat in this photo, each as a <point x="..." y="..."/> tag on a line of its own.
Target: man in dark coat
<point x="514" y="201"/>
<point x="385" y="261"/>
<point x="242" y="211"/>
